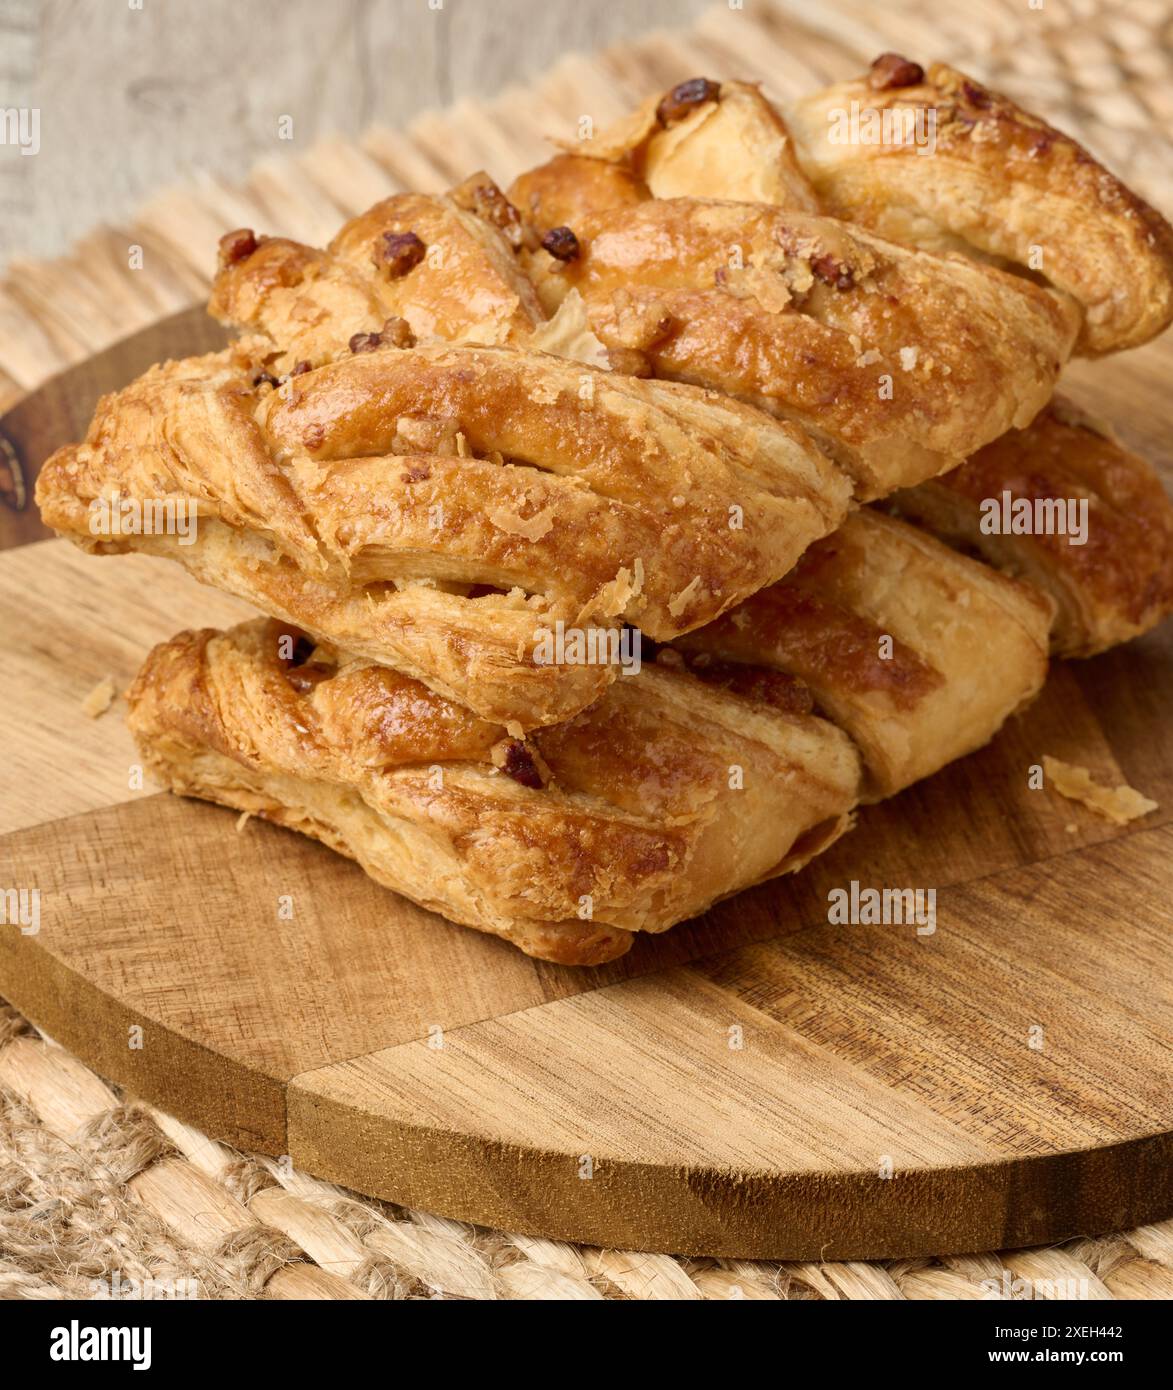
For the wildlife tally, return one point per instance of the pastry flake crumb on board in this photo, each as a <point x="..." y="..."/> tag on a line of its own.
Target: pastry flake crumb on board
<point x="1118" y="804"/>
<point x="99" y="700"/>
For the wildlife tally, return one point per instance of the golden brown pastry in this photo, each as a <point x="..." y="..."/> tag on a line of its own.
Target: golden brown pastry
<point x="436" y="271"/>
<point x="664" y="796"/>
<point x="916" y="652"/>
<point x="969" y="171"/>
<point x="569" y="187"/>
<point x="413" y="269"/>
<point x="703" y="139"/>
<point x="1118" y="581"/>
<point x="442" y="509"/>
<point x="899" y="362"/>
<point x="1000" y="182"/>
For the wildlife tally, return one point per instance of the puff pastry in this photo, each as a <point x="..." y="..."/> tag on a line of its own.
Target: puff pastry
<point x="1114" y="586"/>
<point x="899" y="362"/>
<point x="447" y="273"/>
<point x="438" y="509"/>
<point x="999" y="184"/>
<point x="666" y="795"/>
<point x="1102" y="245"/>
<point x="918" y="653"/>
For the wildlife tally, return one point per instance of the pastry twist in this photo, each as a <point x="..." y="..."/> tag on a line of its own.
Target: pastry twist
<point x="1002" y="185"/>
<point x="442" y="509"/>
<point x="706" y="772"/>
<point x="900" y="363"/>
<point x="918" y="653"/>
<point x="1117" y="582"/>
<point x="977" y="175"/>
<point x="665" y="795"/>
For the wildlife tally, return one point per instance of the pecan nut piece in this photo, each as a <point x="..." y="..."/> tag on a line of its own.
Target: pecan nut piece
<point x="237" y="246"/>
<point x="562" y="244"/>
<point x="833" y="272"/>
<point x="685" y="96"/>
<point x="518" y="763"/>
<point x="398" y="252"/>
<point x="479" y="195"/>
<point x="894" y="70"/>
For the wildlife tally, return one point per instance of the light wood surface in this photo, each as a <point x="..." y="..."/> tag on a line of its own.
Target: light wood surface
<point x="863" y="1048"/>
<point x="202" y="87"/>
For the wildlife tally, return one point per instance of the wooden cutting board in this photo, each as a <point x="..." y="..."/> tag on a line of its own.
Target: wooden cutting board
<point x="758" y="1083"/>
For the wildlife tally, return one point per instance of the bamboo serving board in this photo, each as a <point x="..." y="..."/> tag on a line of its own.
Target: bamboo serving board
<point x="758" y="1083"/>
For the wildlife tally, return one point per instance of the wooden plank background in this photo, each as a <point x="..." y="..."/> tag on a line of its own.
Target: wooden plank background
<point x="190" y="87"/>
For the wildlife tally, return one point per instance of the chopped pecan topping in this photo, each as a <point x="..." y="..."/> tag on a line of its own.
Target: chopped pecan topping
<point x="833" y="272"/>
<point x="237" y="246"/>
<point x="264" y="379"/>
<point x="893" y="70"/>
<point x="481" y="196"/>
<point x="397" y="332"/>
<point x="684" y="96"/>
<point x="365" y="342"/>
<point x="299" y="368"/>
<point x="561" y="243"/>
<point x="519" y="764"/>
<point x="398" y="252"/>
<point x="976" y="96"/>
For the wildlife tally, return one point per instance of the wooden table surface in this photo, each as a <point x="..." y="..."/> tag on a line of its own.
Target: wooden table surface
<point x="132" y="100"/>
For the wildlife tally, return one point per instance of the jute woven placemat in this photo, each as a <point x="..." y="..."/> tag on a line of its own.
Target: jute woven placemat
<point x="100" y="1196"/>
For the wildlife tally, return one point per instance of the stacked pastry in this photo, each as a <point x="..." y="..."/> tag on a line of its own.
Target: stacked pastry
<point x="466" y="455"/>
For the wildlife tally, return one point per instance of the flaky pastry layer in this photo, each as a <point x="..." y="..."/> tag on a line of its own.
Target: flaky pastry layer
<point x="665" y="795"/>
<point x="927" y="158"/>
<point x="918" y="653"/>
<point x="899" y="362"/>
<point x="440" y="509"/>
<point x="1112" y="585"/>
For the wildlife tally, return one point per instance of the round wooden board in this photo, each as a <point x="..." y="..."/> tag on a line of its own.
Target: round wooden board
<point x="759" y="1083"/>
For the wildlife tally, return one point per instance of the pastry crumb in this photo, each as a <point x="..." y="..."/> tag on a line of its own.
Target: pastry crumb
<point x="1117" y="804"/>
<point x="532" y="528"/>
<point x="99" y="700"/>
<point x="680" y="601"/>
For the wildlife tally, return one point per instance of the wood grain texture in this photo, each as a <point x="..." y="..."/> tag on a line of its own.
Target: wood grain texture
<point x="861" y="1046"/>
<point x="886" y="1096"/>
<point x="186" y="86"/>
